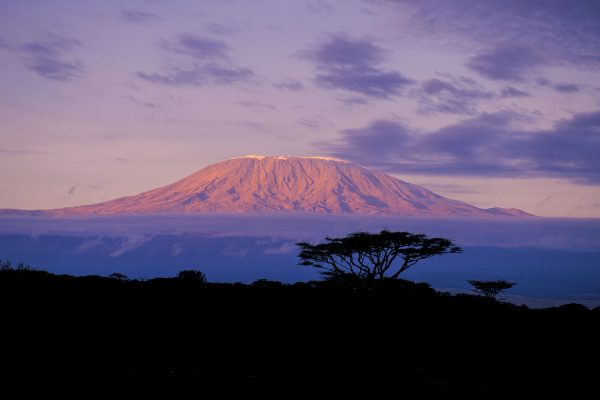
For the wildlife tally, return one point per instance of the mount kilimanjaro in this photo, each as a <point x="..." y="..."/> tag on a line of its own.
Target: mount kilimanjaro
<point x="255" y="184"/>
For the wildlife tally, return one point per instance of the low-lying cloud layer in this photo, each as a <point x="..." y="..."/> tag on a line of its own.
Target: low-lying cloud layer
<point x="550" y="258"/>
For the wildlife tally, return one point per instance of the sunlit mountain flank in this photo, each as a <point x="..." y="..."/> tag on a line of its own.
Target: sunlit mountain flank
<point x="256" y="183"/>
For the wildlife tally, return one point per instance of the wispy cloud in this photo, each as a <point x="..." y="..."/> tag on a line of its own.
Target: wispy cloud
<point x="320" y="7"/>
<point x="202" y="61"/>
<point x="129" y="243"/>
<point x="566" y="88"/>
<point x="259" y="126"/>
<point x="510" y="91"/>
<point x="257" y="105"/>
<point x="554" y="32"/>
<point x="354" y="65"/>
<point x="198" y="75"/>
<point x="197" y="47"/>
<point x="562" y="87"/>
<point x="309" y="123"/>
<point x="353" y="101"/>
<point x="147" y="104"/>
<point x="453" y="96"/>
<point x="487" y="145"/>
<point x="137" y="16"/>
<point x="19" y="152"/>
<point x="508" y="62"/>
<point x="227" y="28"/>
<point x="51" y="58"/>
<point x="290" y="84"/>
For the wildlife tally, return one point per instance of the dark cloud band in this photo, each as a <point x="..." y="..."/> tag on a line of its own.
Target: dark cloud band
<point x="354" y="65"/>
<point x="487" y="145"/>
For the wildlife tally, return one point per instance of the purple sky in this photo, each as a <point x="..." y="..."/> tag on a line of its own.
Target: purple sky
<point x="496" y="103"/>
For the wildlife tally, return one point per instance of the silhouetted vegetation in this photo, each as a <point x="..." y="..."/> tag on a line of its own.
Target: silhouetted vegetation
<point x="369" y="256"/>
<point x="392" y="337"/>
<point x="491" y="288"/>
<point x="6" y="265"/>
<point x="192" y="275"/>
<point x="119" y="276"/>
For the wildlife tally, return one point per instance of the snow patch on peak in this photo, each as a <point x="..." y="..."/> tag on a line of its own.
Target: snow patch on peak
<point x="325" y="158"/>
<point x="257" y="156"/>
<point x="261" y="157"/>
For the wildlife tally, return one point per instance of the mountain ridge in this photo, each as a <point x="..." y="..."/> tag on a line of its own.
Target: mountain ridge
<point x="256" y="183"/>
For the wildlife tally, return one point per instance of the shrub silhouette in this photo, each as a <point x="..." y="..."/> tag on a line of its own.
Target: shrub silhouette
<point x="7" y="266"/>
<point x="369" y="256"/>
<point x="192" y="275"/>
<point x="266" y="283"/>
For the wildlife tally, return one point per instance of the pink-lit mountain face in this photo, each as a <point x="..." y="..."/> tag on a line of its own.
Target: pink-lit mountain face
<point x="254" y="184"/>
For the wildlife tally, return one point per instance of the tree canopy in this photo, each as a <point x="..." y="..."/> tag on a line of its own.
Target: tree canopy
<point x="372" y="255"/>
<point x="192" y="275"/>
<point x="491" y="288"/>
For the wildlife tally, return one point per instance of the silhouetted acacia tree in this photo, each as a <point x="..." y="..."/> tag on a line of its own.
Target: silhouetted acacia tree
<point x="491" y="289"/>
<point x="370" y="256"/>
<point x="118" y="276"/>
<point x="192" y="275"/>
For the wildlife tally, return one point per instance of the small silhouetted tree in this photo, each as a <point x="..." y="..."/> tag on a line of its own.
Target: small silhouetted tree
<point x="118" y="276"/>
<point x="368" y="256"/>
<point x="491" y="289"/>
<point x="192" y="275"/>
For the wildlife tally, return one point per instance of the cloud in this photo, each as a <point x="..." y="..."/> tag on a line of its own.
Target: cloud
<point x="510" y="62"/>
<point x="259" y="126"/>
<point x="562" y="87"/>
<point x="138" y="17"/>
<point x="566" y="88"/>
<point x="510" y="91"/>
<point x="564" y="32"/>
<point x="488" y="145"/>
<point x="227" y="28"/>
<point x="51" y="57"/>
<point x="197" y="47"/>
<point x="255" y="105"/>
<point x="290" y="84"/>
<point x="309" y="123"/>
<point x="353" y="101"/>
<point x="200" y="61"/>
<point x="284" y="248"/>
<point x="354" y="65"/>
<point x="457" y="96"/>
<point x="19" y="152"/>
<point x="90" y="244"/>
<point x="198" y="75"/>
<point x="129" y="243"/>
<point x="320" y="7"/>
<point x="147" y="104"/>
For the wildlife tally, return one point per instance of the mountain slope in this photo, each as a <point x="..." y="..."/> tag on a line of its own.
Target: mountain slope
<point x="271" y="184"/>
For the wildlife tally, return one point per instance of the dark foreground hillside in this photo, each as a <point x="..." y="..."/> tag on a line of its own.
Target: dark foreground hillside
<point x="401" y="337"/>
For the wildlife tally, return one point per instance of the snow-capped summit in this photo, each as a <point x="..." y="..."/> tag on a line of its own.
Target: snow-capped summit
<point x="257" y="183"/>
